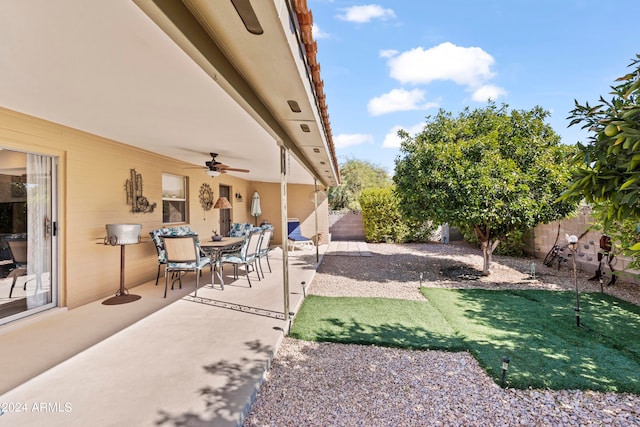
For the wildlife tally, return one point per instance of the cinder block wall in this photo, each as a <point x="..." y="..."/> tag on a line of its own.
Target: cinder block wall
<point x="346" y="225"/>
<point x="544" y="237"/>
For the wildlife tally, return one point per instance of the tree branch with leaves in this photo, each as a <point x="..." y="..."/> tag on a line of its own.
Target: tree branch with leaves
<point x="607" y="173"/>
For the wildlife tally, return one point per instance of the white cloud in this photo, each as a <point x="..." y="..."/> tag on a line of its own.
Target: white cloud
<point x="392" y="140"/>
<point x="466" y="66"/>
<point x="388" y="53"/>
<point x="399" y="100"/>
<point x="318" y="33"/>
<point x="345" y="140"/>
<point x="483" y="93"/>
<point x="366" y="13"/>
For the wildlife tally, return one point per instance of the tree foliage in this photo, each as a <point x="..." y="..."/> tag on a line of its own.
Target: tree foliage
<point x="490" y="170"/>
<point x="356" y="175"/>
<point x="608" y="165"/>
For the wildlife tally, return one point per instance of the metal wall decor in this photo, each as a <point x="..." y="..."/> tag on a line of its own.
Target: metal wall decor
<point x="138" y="202"/>
<point x="206" y="197"/>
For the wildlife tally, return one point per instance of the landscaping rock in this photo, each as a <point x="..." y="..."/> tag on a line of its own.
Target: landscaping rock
<point x="321" y="384"/>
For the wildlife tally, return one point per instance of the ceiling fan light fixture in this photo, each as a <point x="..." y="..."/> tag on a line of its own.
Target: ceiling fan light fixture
<point x="213" y="173"/>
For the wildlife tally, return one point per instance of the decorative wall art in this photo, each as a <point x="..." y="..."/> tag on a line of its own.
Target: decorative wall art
<point x="138" y="202"/>
<point x="206" y="197"/>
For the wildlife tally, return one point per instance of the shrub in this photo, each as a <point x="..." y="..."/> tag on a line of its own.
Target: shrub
<point x="383" y="221"/>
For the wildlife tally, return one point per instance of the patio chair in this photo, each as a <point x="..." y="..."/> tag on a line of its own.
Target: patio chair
<point x="263" y="249"/>
<point x="246" y="257"/>
<point x="183" y="255"/>
<point x="295" y="236"/>
<point x="18" y="251"/>
<point x="156" y="238"/>
<point x="162" y="258"/>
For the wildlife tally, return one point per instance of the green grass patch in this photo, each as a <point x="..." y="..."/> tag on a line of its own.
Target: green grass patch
<point x="380" y="321"/>
<point x="536" y="329"/>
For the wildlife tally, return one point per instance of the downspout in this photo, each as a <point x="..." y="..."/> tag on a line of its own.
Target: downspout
<point x="285" y="233"/>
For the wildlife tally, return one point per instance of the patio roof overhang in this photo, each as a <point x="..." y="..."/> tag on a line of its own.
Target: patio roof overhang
<point x="179" y="78"/>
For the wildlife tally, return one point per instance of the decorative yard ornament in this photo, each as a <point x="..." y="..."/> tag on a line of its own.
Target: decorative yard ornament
<point x="138" y="202"/>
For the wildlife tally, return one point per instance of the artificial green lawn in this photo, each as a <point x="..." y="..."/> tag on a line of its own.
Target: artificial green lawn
<point x="535" y="329"/>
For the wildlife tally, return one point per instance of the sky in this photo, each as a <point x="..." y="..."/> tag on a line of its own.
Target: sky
<point x="388" y="65"/>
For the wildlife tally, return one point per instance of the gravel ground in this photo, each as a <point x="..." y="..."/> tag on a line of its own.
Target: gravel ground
<point x="321" y="384"/>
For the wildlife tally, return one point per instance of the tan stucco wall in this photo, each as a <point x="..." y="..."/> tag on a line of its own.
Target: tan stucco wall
<point x="92" y="176"/>
<point x="299" y="206"/>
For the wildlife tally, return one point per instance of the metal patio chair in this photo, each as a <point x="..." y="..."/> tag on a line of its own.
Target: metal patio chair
<point x="263" y="249"/>
<point x="183" y="255"/>
<point x="246" y="257"/>
<point x="18" y="250"/>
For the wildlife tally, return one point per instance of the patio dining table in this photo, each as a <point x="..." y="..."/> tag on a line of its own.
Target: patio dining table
<point x="214" y="248"/>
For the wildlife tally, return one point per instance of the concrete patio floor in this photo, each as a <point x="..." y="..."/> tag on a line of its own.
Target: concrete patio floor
<point x="175" y="361"/>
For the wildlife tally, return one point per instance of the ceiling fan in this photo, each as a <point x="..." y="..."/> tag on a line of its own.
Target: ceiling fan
<point x="215" y="167"/>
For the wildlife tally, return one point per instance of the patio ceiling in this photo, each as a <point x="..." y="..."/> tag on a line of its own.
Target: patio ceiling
<point x="179" y="78"/>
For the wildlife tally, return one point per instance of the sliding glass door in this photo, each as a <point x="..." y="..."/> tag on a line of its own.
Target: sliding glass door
<point x="28" y="221"/>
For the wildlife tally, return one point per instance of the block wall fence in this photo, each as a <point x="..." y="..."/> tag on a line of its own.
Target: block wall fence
<point x="347" y="225"/>
<point x="544" y="237"/>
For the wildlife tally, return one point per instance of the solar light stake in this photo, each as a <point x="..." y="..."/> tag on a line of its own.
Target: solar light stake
<point x="505" y="367"/>
<point x="304" y="291"/>
<point x="533" y="270"/>
<point x="420" y="279"/>
<point x="291" y="314"/>
<point x="573" y="241"/>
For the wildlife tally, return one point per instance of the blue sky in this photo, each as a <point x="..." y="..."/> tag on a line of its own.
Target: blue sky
<point x="389" y="64"/>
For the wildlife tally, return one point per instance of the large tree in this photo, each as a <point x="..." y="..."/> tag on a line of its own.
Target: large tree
<point x="489" y="170"/>
<point x="355" y="176"/>
<point x="608" y="165"/>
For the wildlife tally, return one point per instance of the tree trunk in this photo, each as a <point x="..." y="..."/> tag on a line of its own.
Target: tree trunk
<point x="488" y="245"/>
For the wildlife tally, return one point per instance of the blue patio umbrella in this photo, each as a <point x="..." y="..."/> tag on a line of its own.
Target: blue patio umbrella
<point x="255" y="207"/>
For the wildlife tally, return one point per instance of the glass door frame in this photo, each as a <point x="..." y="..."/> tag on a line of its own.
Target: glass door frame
<point x="54" y="242"/>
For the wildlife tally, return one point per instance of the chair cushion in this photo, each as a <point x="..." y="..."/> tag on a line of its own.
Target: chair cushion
<point x="232" y="259"/>
<point x="181" y="230"/>
<point x="294" y="231"/>
<point x="203" y="262"/>
<point x="240" y="229"/>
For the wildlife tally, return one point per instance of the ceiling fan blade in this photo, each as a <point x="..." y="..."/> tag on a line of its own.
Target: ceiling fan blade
<point x="217" y="166"/>
<point x="235" y="170"/>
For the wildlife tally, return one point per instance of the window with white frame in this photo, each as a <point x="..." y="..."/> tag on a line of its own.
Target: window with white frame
<point x="174" y="198"/>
